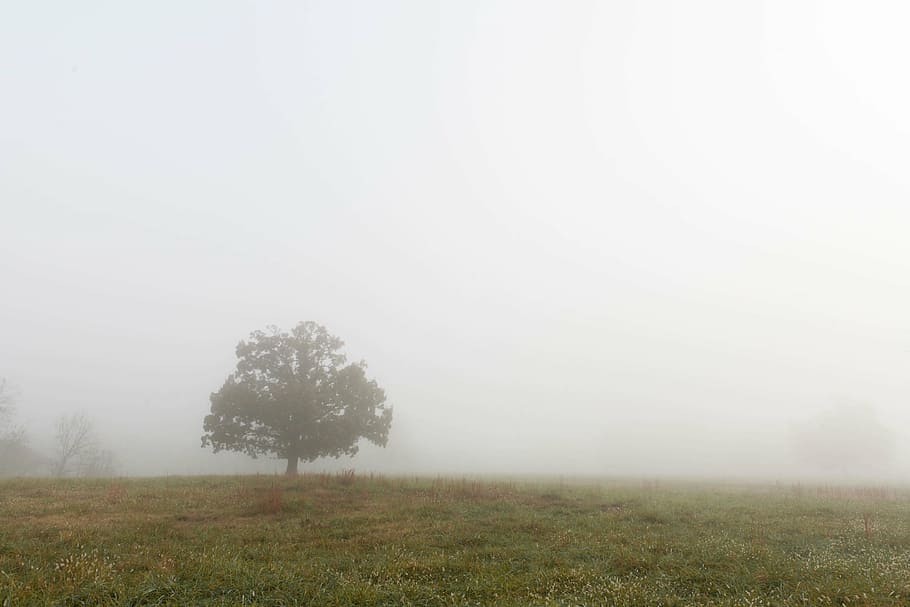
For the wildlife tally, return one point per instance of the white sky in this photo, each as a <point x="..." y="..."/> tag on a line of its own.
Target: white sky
<point x="568" y="237"/>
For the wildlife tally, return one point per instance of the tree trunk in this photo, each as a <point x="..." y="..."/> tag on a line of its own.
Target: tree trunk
<point x="292" y="465"/>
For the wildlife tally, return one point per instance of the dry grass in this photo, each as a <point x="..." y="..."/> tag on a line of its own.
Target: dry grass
<point x="272" y="502"/>
<point x="344" y="539"/>
<point x="116" y="493"/>
<point x="868" y="524"/>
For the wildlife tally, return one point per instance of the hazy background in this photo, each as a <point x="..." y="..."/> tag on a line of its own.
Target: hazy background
<point x="631" y="237"/>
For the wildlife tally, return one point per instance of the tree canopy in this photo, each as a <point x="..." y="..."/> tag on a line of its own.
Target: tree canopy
<point x="292" y="396"/>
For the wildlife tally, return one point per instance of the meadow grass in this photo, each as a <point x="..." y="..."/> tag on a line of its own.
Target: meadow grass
<point x="354" y="540"/>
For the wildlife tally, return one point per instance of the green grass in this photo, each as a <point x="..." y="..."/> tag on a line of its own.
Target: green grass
<point x="333" y="540"/>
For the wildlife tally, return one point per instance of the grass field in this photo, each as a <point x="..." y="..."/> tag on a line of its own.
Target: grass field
<point x="345" y="540"/>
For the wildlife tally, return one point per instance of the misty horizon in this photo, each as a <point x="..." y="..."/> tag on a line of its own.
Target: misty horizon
<point x="642" y="239"/>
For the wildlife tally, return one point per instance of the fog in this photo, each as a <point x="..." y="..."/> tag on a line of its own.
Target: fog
<point x="629" y="239"/>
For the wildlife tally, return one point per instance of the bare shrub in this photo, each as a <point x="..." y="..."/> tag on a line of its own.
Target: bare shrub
<point x="74" y="438"/>
<point x="77" y="451"/>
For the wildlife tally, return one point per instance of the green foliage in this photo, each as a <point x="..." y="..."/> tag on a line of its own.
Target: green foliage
<point x="351" y="540"/>
<point x="292" y="396"/>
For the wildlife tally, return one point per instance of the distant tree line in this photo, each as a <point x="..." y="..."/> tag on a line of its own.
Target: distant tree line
<point x="76" y="449"/>
<point x="15" y="455"/>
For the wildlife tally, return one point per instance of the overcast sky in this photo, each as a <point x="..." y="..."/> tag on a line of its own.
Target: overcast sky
<point x="626" y="237"/>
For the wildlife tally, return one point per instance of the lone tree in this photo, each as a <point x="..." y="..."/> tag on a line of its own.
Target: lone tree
<point x="292" y="396"/>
